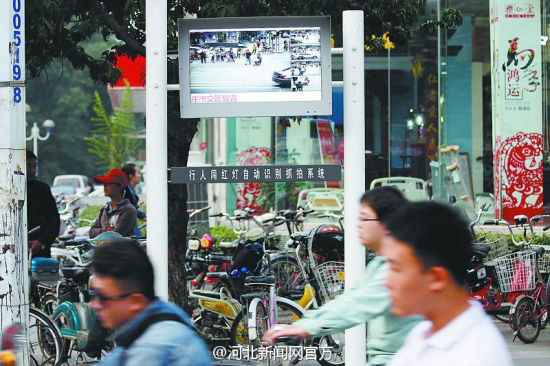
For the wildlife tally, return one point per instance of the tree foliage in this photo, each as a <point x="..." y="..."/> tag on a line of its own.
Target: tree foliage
<point x="56" y="29"/>
<point x="114" y="138"/>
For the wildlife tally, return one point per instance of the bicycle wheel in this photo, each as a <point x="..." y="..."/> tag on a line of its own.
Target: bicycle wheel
<point x="525" y="320"/>
<point x="287" y="314"/>
<point x="288" y="277"/>
<point x="63" y="321"/>
<point x="45" y="343"/>
<point x="331" y="349"/>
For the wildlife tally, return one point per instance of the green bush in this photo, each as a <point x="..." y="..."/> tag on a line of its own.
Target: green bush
<point x="222" y="233"/>
<point x="543" y="239"/>
<point x="90" y="212"/>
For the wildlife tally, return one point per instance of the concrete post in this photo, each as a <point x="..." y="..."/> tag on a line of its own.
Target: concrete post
<point x="156" y="140"/>
<point x="13" y="218"/>
<point x="354" y="161"/>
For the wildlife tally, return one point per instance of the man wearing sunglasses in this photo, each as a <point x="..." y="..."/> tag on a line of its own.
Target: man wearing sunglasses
<point x="149" y="331"/>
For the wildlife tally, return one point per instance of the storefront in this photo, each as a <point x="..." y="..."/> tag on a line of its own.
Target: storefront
<point x="435" y="92"/>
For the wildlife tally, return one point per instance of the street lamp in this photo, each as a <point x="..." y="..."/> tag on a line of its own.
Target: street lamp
<point x="35" y="134"/>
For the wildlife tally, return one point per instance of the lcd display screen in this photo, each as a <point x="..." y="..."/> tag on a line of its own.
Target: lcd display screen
<point x="254" y="66"/>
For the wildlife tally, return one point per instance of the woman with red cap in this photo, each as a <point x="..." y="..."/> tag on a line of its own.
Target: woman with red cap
<point x="119" y="215"/>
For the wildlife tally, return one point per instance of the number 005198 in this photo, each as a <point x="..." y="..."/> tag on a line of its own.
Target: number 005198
<point x="17" y="26"/>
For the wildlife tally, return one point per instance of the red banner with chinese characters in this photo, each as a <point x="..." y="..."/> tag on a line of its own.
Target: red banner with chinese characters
<point x="517" y="107"/>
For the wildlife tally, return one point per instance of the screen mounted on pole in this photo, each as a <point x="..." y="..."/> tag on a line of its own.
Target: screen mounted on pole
<point x="261" y="66"/>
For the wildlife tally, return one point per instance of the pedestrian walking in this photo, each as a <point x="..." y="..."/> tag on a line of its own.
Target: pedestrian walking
<point x="149" y="331"/>
<point x="368" y="300"/>
<point x="428" y="248"/>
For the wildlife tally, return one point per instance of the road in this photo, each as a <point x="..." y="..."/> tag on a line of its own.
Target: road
<point x="235" y="77"/>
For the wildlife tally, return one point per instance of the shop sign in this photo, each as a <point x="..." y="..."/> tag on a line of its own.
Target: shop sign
<point x="256" y="174"/>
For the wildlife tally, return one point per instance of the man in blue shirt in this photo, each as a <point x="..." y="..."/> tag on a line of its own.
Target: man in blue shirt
<point x="148" y="331"/>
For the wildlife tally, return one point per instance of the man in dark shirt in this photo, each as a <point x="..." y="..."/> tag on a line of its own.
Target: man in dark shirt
<point x="41" y="211"/>
<point x="118" y="215"/>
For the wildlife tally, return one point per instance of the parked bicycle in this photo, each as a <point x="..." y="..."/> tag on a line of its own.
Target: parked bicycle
<point x="529" y="314"/>
<point x="77" y="321"/>
<point x="518" y="276"/>
<point x="45" y="345"/>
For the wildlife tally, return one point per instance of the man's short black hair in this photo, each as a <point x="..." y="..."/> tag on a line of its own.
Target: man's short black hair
<point x="30" y="155"/>
<point x="128" y="264"/>
<point x="383" y="200"/>
<point x="437" y="233"/>
<point x="129" y="169"/>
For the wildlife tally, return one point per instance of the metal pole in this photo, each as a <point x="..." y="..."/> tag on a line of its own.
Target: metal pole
<point x="34" y="134"/>
<point x="389" y="115"/>
<point x="156" y="140"/>
<point x="354" y="159"/>
<point x="14" y="306"/>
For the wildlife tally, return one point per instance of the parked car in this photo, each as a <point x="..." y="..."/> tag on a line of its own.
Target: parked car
<point x="63" y="191"/>
<point x="78" y="182"/>
<point x="304" y="56"/>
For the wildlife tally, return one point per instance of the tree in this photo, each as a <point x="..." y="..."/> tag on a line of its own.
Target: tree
<point x="55" y="29"/>
<point x="62" y="94"/>
<point x="114" y="138"/>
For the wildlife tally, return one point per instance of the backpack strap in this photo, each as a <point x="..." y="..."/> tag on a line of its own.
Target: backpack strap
<point x="141" y="328"/>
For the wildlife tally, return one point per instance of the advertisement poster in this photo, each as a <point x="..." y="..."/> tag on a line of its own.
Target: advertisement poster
<point x="253" y="141"/>
<point x="517" y="107"/>
<point x="326" y="144"/>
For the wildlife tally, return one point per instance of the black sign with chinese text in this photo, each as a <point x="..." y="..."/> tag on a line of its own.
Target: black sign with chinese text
<point x="264" y="173"/>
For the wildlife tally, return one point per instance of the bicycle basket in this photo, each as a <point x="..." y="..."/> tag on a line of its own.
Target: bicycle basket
<point x="516" y="271"/>
<point x="330" y="276"/>
<point x="499" y="247"/>
<point x="544" y="260"/>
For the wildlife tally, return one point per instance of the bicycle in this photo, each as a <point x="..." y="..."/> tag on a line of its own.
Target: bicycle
<point x="530" y="311"/>
<point x="45" y="344"/>
<point x="264" y="309"/>
<point x="76" y="320"/>
<point x="506" y="289"/>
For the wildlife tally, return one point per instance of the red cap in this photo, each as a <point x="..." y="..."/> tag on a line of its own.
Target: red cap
<point x="114" y="176"/>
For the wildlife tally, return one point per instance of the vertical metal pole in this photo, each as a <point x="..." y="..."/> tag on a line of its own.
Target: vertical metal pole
<point x="34" y="132"/>
<point x="156" y="132"/>
<point x="439" y="106"/>
<point x="13" y="219"/>
<point x="389" y="115"/>
<point x="354" y="160"/>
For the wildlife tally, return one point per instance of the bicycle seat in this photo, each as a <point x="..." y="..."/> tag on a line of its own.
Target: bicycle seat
<point x="480" y="248"/>
<point x="79" y="275"/>
<point x="521" y="219"/>
<point x="259" y="280"/>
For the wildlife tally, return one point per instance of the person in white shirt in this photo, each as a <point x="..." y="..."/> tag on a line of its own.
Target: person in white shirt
<point x="428" y="247"/>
